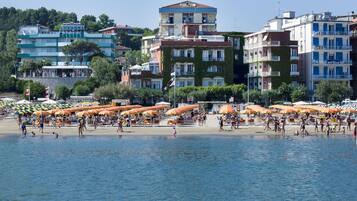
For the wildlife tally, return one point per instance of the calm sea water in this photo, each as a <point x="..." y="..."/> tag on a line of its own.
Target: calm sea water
<point x="186" y="168"/>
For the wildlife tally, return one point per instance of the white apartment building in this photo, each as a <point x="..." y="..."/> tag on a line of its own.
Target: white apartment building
<point x="187" y="18"/>
<point x="323" y="45"/>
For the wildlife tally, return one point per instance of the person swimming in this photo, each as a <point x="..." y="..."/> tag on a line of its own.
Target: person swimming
<point x="33" y="134"/>
<point x="56" y="135"/>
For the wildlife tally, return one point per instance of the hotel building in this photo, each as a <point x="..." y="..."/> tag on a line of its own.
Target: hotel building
<point x="187" y="19"/>
<point x="272" y="58"/>
<point x="38" y="43"/>
<point x="323" y="45"/>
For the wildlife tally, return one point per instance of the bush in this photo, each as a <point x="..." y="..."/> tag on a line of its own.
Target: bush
<point x="62" y="92"/>
<point x="82" y="90"/>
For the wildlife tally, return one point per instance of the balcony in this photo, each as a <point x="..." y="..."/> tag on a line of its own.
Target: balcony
<point x="269" y="58"/>
<point x="331" y="33"/>
<point x="294" y="73"/>
<point x="212" y="59"/>
<point x="294" y="57"/>
<point x="346" y="47"/>
<point x="185" y="73"/>
<point x="265" y="74"/>
<point x="333" y="77"/>
<point x="33" y="45"/>
<point x="271" y="44"/>
<point x="333" y="62"/>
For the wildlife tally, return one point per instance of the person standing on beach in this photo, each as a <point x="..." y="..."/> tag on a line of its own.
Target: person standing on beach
<point x="316" y="126"/>
<point x="41" y="124"/>
<point x="322" y="125"/>
<point x="80" y="127"/>
<point x="283" y="122"/>
<point x="355" y="131"/>
<point x="221" y="123"/>
<point x="328" y="128"/>
<point x="120" y="125"/>
<point x="23" y="129"/>
<point x="349" y="122"/>
<point x="174" y="131"/>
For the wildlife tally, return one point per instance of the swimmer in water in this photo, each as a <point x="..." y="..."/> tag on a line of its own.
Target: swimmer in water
<point x="33" y="134"/>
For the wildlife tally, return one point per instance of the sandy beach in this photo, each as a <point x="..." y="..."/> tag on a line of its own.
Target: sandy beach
<point x="9" y="127"/>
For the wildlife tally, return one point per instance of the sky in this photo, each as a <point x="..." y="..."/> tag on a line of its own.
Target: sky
<point x="233" y="15"/>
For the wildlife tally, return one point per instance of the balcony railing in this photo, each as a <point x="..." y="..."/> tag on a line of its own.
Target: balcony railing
<point x="271" y="43"/>
<point x="264" y="74"/>
<point x="332" y="62"/>
<point x="294" y="57"/>
<point x="270" y="58"/>
<point x="339" y="33"/>
<point x="294" y="73"/>
<point x="333" y="77"/>
<point x="319" y="47"/>
<point x="212" y="58"/>
<point x="185" y="73"/>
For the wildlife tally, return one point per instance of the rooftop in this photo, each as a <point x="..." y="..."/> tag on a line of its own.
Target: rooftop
<point x="188" y="6"/>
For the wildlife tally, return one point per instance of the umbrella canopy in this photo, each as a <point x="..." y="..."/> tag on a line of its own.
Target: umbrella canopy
<point x="41" y="113"/>
<point x="107" y="113"/>
<point x="23" y="102"/>
<point x="163" y="103"/>
<point x="258" y="109"/>
<point x="349" y="111"/>
<point x="151" y="113"/>
<point x="227" y="109"/>
<point x="62" y="113"/>
<point x="307" y="111"/>
<point x="8" y="99"/>
<point x="50" y="102"/>
<point x="181" y="110"/>
<point x="247" y="111"/>
<point x="318" y="103"/>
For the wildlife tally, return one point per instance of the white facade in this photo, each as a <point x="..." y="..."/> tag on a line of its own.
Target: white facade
<point x="324" y="45"/>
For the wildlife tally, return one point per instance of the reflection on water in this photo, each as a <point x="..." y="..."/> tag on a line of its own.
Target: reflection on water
<point x="185" y="168"/>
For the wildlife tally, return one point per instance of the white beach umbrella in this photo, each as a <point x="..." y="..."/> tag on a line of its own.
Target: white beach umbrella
<point x="23" y="102"/>
<point x="50" y="102"/>
<point x="301" y="103"/>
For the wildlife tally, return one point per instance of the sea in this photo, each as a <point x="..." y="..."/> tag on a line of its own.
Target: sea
<point x="181" y="168"/>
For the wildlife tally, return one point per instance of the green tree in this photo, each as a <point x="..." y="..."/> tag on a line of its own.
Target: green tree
<point x="11" y="42"/>
<point x="299" y="93"/>
<point x="270" y="96"/>
<point x="284" y="91"/>
<point x="147" y="95"/>
<point x="329" y="91"/>
<point x="134" y="57"/>
<point x="81" y="49"/>
<point x="90" y="23"/>
<point x="91" y="83"/>
<point x="255" y="96"/>
<point x="62" y="92"/>
<point x="82" y="90"/>
<point x="104" y="21"/>
<point x="2" y="40"/>
<point x="37" y="90"/>
<point x="105" y="71"/>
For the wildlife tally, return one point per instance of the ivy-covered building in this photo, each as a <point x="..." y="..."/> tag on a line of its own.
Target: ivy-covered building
<point x="196" y="62"/>
<point x="240" y="69"/>
<point x="272" y="58"/>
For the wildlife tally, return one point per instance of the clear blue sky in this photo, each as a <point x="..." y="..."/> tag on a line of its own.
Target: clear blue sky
<point x="233" y="15"/>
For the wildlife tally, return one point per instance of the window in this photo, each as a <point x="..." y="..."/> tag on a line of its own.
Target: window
<point x="189" y="53"/>
<point x="338" y="42"/>
<point x="316" y="70"/>
<point x="316" y="41"/>
<point x="325" y="42"/>
<point x="325" y="27"/>
<point x="182" y="53"/>
<point x="187" y="18"/>
<point x="214" y="69"/>
<point x="325" y="56"/>
<point x="339" y="56"/>
<point x="294" y="52"/>
<point x="339" y="70"/>
<point x="315" y="27"/>
<point x="294" y="68"/>
<point x="316" y="56"/>
<point x="339" y="27"/>
<point x="190" y="69"/>
<point x="190" y="83"/>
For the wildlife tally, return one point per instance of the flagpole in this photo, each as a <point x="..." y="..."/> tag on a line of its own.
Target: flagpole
<point x="174" y="88"/>
<point x="29" y="91"/>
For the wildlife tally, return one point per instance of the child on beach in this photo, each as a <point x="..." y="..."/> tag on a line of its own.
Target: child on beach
<point x="23" y="129"/>
<point x="174" y="131"/>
